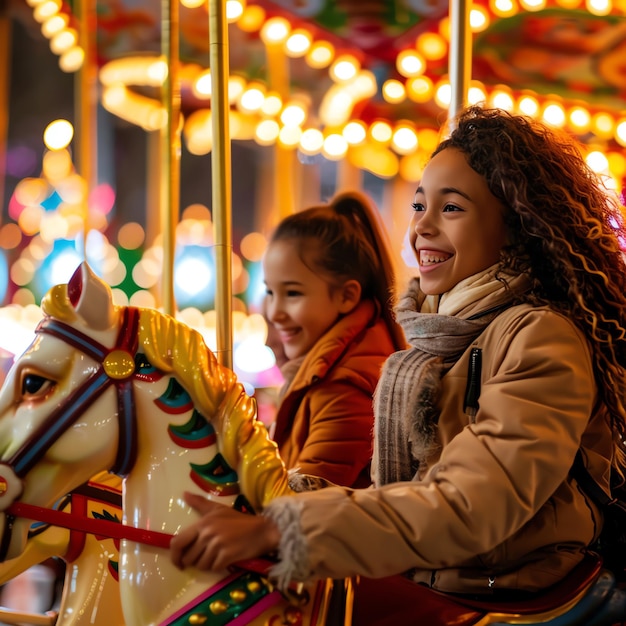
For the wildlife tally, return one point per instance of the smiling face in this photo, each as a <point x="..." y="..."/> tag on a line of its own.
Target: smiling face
<point x="457" y="229"/>
<point x="300" y="304"/>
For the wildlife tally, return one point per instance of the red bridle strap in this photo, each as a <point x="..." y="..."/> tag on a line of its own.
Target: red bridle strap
<point x="114" y="530"/>
<point x="106" y="528"/>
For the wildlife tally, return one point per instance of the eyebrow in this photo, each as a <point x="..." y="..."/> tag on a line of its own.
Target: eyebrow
<point x="287" y="283"/>
<point x="445" y="191"/>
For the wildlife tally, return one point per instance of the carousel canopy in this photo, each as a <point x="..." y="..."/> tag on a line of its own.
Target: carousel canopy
<point x="362" y="79"/>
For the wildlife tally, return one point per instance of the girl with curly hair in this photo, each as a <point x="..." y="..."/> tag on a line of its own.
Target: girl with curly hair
<point x="516" y="326"/>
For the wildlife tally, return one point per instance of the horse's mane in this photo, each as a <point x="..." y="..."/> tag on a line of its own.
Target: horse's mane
<point x="174" y="347"/>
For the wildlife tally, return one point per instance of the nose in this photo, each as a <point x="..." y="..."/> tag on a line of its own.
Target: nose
<point x="422" y="223"/>
<point x="273" y="309"/>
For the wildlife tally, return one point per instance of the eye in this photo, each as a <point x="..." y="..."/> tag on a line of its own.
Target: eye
<point x="417" y="206"/>
<point x="292" y="293"/>
<point x="35" y="386"/>
<point x="451" y="207"/>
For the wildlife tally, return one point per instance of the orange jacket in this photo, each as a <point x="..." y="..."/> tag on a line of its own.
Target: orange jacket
<point x="325" y="420"/>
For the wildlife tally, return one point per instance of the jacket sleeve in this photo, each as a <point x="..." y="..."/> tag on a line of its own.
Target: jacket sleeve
<point x="490" y="480"/>
<point x="338" y="446"/>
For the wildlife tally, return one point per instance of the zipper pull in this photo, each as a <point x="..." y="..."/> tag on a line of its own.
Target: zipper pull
<point x="472" y="390"/>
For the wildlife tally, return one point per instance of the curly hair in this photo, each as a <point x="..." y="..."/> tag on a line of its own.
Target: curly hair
<point x="564" y="230"/>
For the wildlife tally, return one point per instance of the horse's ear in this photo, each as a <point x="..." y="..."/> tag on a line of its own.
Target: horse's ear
<point x="91" y="298"/>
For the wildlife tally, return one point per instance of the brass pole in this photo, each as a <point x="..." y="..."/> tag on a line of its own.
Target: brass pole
<point x="221" y="179"/>
<point x="460" y="60"/>
<point x="170" y="150"/>
<point x="284" y="158"/>
<point x="85" y="107"/>
<point x="5" y="73"/>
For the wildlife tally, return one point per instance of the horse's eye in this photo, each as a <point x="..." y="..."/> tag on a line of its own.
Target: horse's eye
<point x="32" y="384"/>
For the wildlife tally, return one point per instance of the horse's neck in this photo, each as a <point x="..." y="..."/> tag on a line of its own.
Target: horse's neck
<point x="166" y="466"/>
<point x="153" y="499"/>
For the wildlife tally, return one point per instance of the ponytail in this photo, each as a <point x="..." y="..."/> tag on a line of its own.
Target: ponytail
<point x="360" y="211"/>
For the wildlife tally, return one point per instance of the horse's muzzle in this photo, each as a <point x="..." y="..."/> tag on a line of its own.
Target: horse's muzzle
<point x="11" y="486"/>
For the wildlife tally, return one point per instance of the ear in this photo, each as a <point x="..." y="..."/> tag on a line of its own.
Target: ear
<point x="350" y="296"/>
<point x="91" y="298"/>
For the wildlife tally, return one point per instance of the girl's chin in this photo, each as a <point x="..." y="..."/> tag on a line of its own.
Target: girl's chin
<point x="292" y="352"/>
<point x="430" y="288"/>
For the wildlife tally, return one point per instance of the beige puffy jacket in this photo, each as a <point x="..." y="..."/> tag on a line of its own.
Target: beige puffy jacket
<point x="497" y="509"/>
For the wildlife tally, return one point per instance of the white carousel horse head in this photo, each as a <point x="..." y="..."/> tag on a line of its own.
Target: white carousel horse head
<point x="134" y="392"/>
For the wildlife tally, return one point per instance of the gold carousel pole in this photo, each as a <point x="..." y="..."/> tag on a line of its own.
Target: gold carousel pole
<point x="285" y="160"/>
<point x="170" y="150"/>
<point x="85" y="105"/>
<point x="221" y="179"/>
<point x="5" y="64"/>
<point x="460" y="60"/>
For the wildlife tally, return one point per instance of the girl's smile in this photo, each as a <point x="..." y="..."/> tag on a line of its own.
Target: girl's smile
<point x="431" y="258"/>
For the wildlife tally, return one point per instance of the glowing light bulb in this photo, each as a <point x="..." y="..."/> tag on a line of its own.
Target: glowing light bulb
<point x="410" y="63"/>
<point x="554" y="114"/>
<point x="252" y="98"/>
<point x="320" y="54"/>
<point x="479" y="19"/>
<point x="58" y="134"/>
<point x="311" y="141"/>
<point x="502" y="100"/>
<point x="381" y="131"/>
<point x="393" y="91"/>
<point x="404" y="140"/>
<point x="579" y="118"/>
<point x="344" y="68"/>
<point x="504" y="8"/>
<point x="354" y="132"/>
<point x="251" y="19"/>
<point x="419" y="89"/>
<point x="63" y="41"/>
<point x="528" y="106"/>
<point x="234" y="10"/>
<point x="54" y="24"/>
<point x="335" y="147"/>
<point x="267" y="132"/>
<point x="275" y="30"/>
<point x="293" y="114"/>
<point x="432" y="46"/>
<point x="298" y="43"/>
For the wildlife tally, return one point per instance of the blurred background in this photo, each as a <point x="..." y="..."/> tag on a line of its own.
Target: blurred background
<point x="323" y="96"/>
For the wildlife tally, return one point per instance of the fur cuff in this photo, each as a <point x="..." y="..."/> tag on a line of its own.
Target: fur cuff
<point x="292" y="551"/>
<point x="305" y="482"/>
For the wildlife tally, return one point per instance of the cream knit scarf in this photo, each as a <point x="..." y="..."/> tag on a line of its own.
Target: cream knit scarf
<point x="405" y="401"/>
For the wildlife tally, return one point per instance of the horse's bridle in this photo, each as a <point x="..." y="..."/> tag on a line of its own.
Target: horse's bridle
<point x="116" y="367"/>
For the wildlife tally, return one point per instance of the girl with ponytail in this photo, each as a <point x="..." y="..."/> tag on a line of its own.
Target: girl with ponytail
<point x="329" y="278"/>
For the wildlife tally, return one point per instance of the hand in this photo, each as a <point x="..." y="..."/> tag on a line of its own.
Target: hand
<point x="221" y="536"/>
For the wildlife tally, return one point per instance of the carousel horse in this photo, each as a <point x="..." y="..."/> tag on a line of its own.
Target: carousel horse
<point x="136" y="393"/>
<point x="90" y="592"/>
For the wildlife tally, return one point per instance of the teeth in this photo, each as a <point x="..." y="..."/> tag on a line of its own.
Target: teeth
<point x="431" y="258"/>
